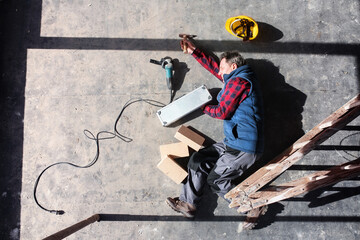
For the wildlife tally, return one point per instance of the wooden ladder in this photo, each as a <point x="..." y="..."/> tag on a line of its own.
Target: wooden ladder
<point x="246" y="196"/>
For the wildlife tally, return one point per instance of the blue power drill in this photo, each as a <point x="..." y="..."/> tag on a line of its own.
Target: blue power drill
<point x="167" y="64"/>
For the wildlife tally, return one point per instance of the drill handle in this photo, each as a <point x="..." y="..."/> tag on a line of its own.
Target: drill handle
<point x="169" y="75"/>
<point x="156" y="62"/>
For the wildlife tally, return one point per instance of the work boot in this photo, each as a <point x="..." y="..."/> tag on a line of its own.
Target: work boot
<point x="187" y="209"/>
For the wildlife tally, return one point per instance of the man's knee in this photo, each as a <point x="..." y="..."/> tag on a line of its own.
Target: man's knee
<point x="211" y="181"/>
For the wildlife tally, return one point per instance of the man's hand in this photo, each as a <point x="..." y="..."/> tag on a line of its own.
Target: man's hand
<point x="187" y="46"/>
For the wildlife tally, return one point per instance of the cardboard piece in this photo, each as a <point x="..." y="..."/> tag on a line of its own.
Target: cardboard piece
<point x="190" y="138"/>
<point x="173" y="170"/>
<point x="174" y="150"/>
<point x="171" y="162"/>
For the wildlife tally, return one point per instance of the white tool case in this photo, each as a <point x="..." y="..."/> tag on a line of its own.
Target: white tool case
<point x="184" y="105"/>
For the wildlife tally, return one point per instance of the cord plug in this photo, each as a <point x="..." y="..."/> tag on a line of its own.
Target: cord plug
<point x="57" y="212"/>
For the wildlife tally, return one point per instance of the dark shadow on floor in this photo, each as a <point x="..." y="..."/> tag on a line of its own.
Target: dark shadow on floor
<point x="330" y="194"/>
<point x="207" y="206"/>
<point x="283" y="106"/>
<point x="179" y="73"/>
<point x="275" y="209"/>
<point x="268" y="33"/>
<point x="172" y="218"/>
<point x="167" y="218"/>
<point x="12" y="78"/>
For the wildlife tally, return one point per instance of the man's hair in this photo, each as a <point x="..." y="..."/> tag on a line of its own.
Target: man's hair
<point x="233" y="57"/>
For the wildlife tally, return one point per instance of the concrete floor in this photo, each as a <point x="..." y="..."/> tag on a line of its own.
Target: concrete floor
<point x="67" y="66"/>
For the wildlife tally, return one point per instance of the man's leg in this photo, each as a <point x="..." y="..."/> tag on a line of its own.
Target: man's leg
<point x="230" y="166"/>
<point x="200" y="164"/>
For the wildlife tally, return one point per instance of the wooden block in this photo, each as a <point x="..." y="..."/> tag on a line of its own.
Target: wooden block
<point x="168" y="166"/>
<point x="189" y="137"/>
<point x="174" y="150"/>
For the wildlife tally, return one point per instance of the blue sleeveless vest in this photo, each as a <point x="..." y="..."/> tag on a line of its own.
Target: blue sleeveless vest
<point x="244" y="131"/>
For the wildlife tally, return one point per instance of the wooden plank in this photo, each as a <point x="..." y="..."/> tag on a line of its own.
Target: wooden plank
<point x="74" y="228"/>
<point x="308" y="142"/>
<point x="308" y="183"/>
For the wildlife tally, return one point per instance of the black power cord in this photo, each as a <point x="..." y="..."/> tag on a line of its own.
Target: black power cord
<point x="97" y="139"/>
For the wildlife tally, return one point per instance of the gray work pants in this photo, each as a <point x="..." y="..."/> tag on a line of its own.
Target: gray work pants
<point x="217" y="166"/>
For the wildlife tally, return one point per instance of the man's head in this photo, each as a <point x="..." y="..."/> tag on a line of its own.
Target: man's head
<point x="229" y="61"/>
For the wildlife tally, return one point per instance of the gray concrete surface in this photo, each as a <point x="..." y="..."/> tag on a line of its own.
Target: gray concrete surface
<point x="78" y="62"/>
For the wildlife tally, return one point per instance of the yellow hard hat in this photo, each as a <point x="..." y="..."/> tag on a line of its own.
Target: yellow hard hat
<point x="242" y="27"/>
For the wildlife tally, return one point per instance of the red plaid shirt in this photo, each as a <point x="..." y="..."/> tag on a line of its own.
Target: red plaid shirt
<point x="236" y="89"/>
